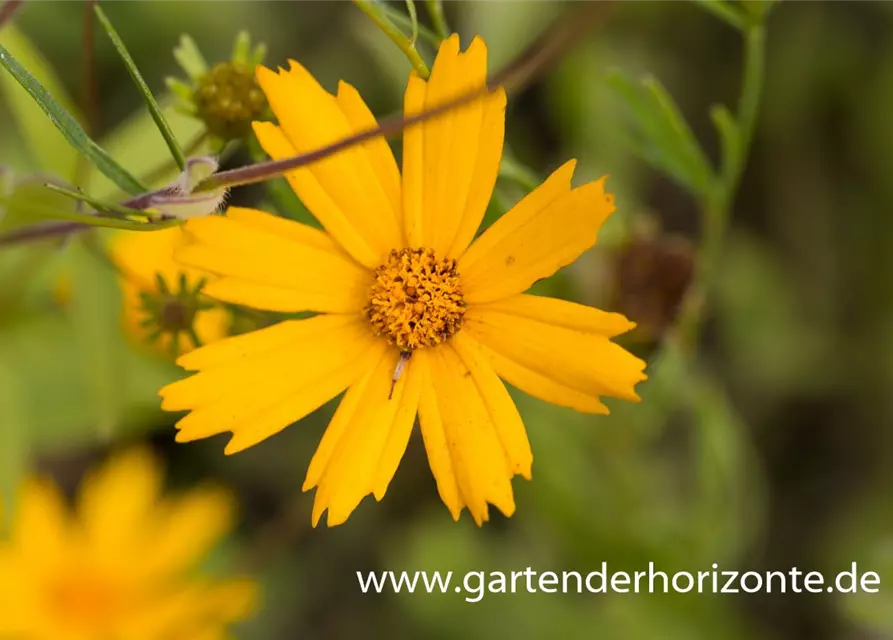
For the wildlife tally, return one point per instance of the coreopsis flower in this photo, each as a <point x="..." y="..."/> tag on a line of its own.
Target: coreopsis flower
<point x="119" y="565"/>
<point x="413" y="317"/>
<point x="163" y="303"/>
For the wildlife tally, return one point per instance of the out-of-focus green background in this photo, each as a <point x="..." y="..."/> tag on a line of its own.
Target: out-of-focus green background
<point x="773" y="450"/>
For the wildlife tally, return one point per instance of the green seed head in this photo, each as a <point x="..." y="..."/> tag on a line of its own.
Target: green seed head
<point x="228" y="99"/>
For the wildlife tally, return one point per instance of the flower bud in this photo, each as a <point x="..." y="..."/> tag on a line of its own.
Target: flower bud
<point x="225" y="96"/>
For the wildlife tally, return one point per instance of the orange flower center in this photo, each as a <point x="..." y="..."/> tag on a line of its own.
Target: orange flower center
<point x="416" y="300"/>
<point x="83" y="601"/>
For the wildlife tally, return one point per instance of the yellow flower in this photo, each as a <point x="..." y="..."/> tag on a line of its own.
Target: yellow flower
<point x="161" y="301"/>
<point x="117" y="568"/>
<point x="401" y="295"/>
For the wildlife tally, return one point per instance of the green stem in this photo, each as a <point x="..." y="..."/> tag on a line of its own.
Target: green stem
<point x="99" y="205"/>
<point x="371" y="9"/>
<point x="717" y="209"/>
<point x="404" y="21"/>
<point x="89" y="220"/>
<point x="414" y="21"/>
<point x="435" y="8"/>
<point x="749" y="105"/>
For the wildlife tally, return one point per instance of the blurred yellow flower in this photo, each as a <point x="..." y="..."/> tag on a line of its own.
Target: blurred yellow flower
<point x="402" y="297"/>
<point x="162" y="305"/>
<point x="120" y="565"/>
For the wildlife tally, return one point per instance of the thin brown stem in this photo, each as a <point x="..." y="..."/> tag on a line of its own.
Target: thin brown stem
<point x="43" y="231"/>
<point x="8" y="9"/>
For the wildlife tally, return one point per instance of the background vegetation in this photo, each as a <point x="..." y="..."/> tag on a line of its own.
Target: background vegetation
<point x="763" y="448"/>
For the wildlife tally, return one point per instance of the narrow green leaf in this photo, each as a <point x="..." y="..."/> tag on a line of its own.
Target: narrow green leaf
<point x="151" y="103"/>
<point x="47" y="146"/>
<point x="435" y="8"/>
<point x="404" y="22"/>
<point x="95" y="220"/>
<point x="68" y="125"/>
<point x="660" y="135"/>
<point x="99" y="205"/>
<point x="414" y="21"/>
<point x="682" y="136"/>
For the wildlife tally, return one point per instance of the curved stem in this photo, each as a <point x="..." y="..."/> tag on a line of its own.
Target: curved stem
<point x="8" y="8"/>
<point x="404" y="21"/>
<point x="435" y="8"/>
<point x="403" y="43"/>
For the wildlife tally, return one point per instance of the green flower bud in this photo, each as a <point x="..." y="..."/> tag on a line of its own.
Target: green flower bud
<point x="169" y="311"/>
<point x="228" y="99"/>
<point x="225" y="96"/>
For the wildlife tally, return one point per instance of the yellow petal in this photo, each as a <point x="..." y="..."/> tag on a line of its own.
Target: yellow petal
<point x="243" y="346"/>
<point x="304" y="399"/>
<point x="503" y="412"/>
<point x="451" y="161"/>
<point x="338" y="223"/>
<point x="247" y="254"/>
<point x="541" y="386"/>
<point x="212" y="325"/>
<point x="562" y="313"/>
<point x="263" y="371"/>
<point x="186" y="529"/>
<point x="312" y="118"/>
<point x="413" y="163"/>
<point x="555" y="186"/>
<point x="378" y="151"/>
<point x="475" y="453"/>
<point x="117" y="501"/>
<point x="256" y="385"/>
<point x="587" y="362"/>
<point x="363" y="446"/>
<point x="486" y="170"/>
<point x="41" y="528"/>
<point x="536" y="238"/>
<point x="434" y="435"/>
<point x="197" y="610"/>
<point x="443" y="85"/>
<point x="277" y="226"/>
<point x="141" y="255"/>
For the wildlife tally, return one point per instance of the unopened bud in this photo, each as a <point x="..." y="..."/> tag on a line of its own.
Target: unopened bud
<point x="180" y="200"/>
<point x="226" y="96"/>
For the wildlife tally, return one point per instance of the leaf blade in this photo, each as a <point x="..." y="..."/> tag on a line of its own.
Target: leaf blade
<point x="69" y="127"/>
<point x="151" y="103"/>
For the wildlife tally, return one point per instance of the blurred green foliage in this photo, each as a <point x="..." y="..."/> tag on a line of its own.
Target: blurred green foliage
<point x="768" y="448"/>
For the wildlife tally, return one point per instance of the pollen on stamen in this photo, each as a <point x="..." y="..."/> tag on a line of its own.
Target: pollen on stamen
<point x="416" y="299"/>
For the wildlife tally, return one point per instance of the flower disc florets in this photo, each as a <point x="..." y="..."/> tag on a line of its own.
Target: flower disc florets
<point x="228" y="99"/>
<point x="172" y="311"/>
<point x="416" y="300"/>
